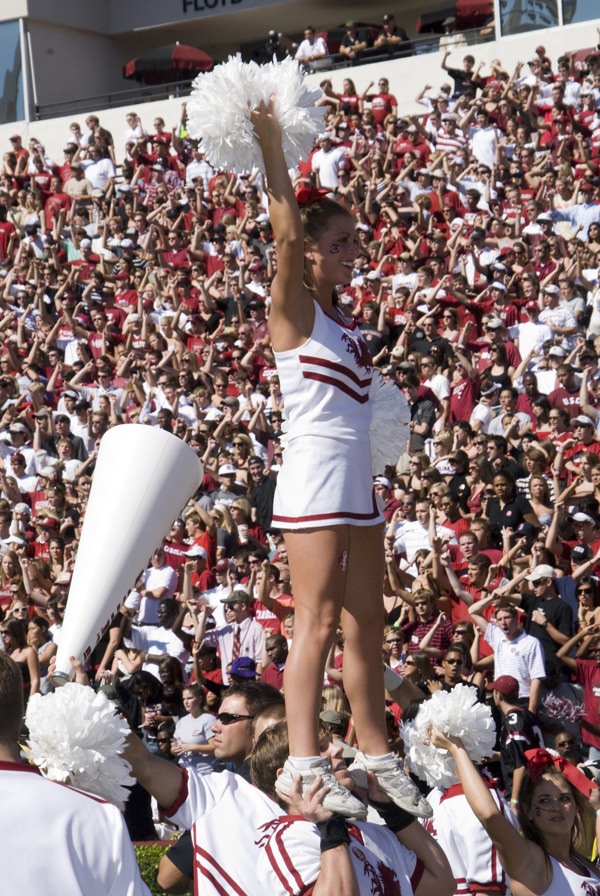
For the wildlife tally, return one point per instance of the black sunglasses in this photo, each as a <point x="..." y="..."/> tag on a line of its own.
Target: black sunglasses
<point x="228" y="718"/>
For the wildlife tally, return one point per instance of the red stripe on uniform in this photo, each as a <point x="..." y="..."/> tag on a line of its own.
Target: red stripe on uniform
<point x="329" y="516"/>
<point x="179" y="799"/>
<point x="321" y="378"/>
<point x="333" y="365"/>
<point x="277" y="869"/>
<point x="205" y="871"/>
<point x="286" y="858"/>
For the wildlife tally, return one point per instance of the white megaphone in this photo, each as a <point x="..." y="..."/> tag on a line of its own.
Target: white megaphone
<point x="143" y="478"/>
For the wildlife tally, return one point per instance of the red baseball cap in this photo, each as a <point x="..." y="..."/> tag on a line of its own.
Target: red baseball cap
<point x="505" y="685"/>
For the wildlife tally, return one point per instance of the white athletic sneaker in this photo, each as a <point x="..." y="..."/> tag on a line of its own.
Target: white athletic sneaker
<point x="394" y="781"/>
<point x="337" y="800"/>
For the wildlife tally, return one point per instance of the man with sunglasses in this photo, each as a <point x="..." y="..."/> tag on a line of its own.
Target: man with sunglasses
<point x="233" y="742"/>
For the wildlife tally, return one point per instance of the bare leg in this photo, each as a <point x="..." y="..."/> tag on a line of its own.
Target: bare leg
<point x="319" y="579"/>
<point x="362" y="623"/>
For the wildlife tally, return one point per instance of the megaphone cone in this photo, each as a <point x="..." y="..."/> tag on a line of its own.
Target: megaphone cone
<point x="143" y="478"/>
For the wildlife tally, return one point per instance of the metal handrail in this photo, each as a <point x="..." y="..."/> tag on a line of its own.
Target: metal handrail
<point x="149" y="93"/>
<point x="114" y="98"/>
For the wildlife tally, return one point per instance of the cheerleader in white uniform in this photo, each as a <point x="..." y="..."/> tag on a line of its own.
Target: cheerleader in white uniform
<point x="324" y="502"/>
<point x="555" y="817"/>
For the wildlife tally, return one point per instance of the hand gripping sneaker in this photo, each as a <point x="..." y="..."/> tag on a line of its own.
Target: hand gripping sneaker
<point x="339" y="799"/>
<point x="394" y="781"/>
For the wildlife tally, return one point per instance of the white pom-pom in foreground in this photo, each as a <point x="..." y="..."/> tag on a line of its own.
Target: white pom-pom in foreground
<point x="76" y="738"/>
<point x="455" y="713"/>
<point x="218" y="112"/>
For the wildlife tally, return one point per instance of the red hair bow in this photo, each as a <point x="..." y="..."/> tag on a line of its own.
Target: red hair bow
<point x="539" y="760"/>
<point x="307" y="195"/>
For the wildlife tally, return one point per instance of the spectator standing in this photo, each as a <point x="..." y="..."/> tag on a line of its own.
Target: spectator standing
<point x="515" y="653"/>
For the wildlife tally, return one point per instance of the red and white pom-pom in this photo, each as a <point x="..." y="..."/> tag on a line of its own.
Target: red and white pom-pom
<point x="563" y="708"/>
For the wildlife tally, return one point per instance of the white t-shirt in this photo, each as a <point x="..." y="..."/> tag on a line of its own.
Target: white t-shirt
<point x="190" y="730"/>
<point x="531" y="335"/>
<point x="156" y="640"/>
<point x="153" y="578"/>
<point x="327" y="164"/>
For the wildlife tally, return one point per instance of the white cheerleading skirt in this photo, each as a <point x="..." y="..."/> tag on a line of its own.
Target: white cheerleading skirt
<point x="325" y="482"/>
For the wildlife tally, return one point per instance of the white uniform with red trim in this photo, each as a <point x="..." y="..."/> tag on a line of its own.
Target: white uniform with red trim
<point x="566" y="882"/>
<point x="472" y="855"/>
<point x="290" y="859"/>
<point x="57" y="841"/>
<point x="326" y="477"/>
<point x="224" y="813"/>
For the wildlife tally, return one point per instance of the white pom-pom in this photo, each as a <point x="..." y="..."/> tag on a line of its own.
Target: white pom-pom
<point x="389" y="430"/>
<point x="76" y="738"/>
<point x="456" y="713"/>
<point x="218" y="112"/>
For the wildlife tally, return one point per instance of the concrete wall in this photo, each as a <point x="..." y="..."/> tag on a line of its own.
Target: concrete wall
<point x="406" y="77"/>
<point x="85" y="58"/>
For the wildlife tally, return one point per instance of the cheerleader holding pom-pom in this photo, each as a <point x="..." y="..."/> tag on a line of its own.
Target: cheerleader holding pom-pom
<point x="324" y="501"/>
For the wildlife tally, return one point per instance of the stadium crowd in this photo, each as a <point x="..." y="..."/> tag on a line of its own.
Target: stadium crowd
<point x="135" y="289"/>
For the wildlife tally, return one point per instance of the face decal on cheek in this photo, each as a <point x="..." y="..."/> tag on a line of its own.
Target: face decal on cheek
<point x="333" y="250"/>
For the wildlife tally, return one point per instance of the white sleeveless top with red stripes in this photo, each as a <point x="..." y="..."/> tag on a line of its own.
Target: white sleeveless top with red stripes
<point x="326" y="475"/>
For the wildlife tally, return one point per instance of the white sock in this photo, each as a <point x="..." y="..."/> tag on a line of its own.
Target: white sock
<point x="303" y="762"/>
<point x="380" y="758"/>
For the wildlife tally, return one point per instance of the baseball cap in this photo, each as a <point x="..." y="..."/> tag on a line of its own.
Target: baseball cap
<point x="235" y="596"/>
<point x="581" y="552"/>
<point x="557" y="352"/>
<point x="551" y="290"/>
<point x="227" y="470"/>
<point x="222" y="565"/>
<point x="497" y="284"/>
<point x="505" y="685"/>
<point x="494" y="323"/>
<point x="582" y="518"/>
<point x="543" y="571"/>
<point x="531" y="306"/>
<point x="22" y="507"/>
<point x="382" y="480"/>
<point x="18" y="427"/>
<point x="583" y="420"/>
<point x="243" y="667"/>
<point x="333" y="717"/>
<point x="196" y="550"/>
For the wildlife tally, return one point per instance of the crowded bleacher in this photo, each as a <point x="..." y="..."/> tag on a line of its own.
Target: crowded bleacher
<point x="135" y="289"/>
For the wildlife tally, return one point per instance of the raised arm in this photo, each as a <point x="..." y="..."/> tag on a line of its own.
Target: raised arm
<point x="291" y="315"/>
<point x="523" y="860"/>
